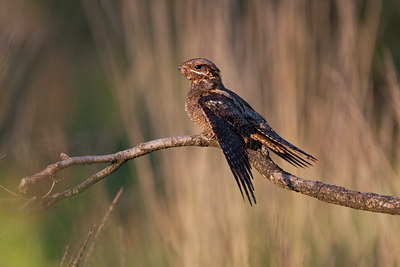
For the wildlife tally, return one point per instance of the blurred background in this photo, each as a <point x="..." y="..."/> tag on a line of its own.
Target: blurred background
<point x="94" y="77"/>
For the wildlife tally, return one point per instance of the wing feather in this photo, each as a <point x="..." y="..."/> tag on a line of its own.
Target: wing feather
<point x="283" y="148"/>
<point x="225" y="124"/>
<point x="262" y="132"/>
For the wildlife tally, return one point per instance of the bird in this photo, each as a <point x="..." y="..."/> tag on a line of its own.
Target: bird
<point x="226" y="117"/>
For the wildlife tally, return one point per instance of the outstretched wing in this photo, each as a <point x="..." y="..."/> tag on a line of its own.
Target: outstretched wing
<point x="229" y="128"/>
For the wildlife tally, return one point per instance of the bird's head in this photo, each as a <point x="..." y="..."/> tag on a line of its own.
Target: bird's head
<point x="199" y="69"/>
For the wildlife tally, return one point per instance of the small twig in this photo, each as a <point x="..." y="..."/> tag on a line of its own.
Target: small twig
<point x="82" y="250"/>
<point x="48" y="202"/>
<point x="106" y="217"/>
<point x="27" y="202"/>
<point x="64" y="256"/>
<point x="13" y="193"/>
<point x="18" y="196"/>
<point x="51" y="188"/>
<point x="103" y="222"/>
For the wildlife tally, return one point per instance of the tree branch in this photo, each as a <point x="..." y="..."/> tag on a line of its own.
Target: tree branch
<point x="259" y="158"/>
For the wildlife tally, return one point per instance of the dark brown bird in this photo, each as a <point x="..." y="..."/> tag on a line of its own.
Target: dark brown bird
<point x="226" y="117"/>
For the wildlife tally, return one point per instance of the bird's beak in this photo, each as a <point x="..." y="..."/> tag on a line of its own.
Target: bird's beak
<point x="182" y="69"/>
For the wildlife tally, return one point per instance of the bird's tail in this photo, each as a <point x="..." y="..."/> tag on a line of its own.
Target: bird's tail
<point x="284" y="149"/>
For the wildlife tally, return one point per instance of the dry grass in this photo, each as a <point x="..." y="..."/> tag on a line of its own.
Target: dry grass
<point x="307" y="66"/>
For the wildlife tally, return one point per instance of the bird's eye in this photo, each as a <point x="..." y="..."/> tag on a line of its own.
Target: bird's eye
<point x="197" y="67"/>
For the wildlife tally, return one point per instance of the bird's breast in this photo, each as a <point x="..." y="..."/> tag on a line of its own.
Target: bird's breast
<point x="196" y="114"/>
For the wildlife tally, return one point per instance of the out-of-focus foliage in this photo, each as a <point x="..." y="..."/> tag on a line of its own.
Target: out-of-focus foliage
<point x="94" y="77"/>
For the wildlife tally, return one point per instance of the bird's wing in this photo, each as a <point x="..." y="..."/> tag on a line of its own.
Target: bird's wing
<point x="228" y="126"/>
<point x="263" y="133"/>
<point x="292" y="154"/>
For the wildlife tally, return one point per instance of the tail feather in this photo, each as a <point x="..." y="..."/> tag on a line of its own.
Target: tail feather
<point x="285" y="150"/>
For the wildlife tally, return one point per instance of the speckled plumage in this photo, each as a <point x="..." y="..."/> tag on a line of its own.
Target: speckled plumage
<point x="226" y="117"/>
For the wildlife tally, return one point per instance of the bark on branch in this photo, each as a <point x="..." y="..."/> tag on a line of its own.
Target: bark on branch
<point x="259" y="159"/>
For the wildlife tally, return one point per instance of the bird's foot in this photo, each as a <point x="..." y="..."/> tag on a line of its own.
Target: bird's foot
<point x="265" y="151"/>
<point x="209" y="136"/>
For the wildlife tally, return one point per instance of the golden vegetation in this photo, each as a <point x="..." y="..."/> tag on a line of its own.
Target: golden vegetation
<point x="311" y="68"/>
